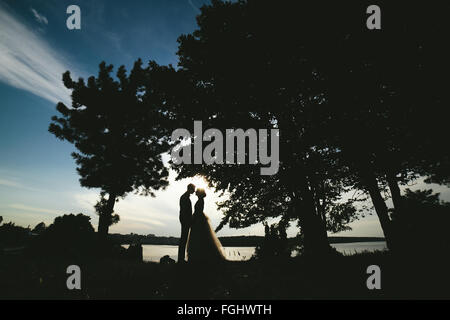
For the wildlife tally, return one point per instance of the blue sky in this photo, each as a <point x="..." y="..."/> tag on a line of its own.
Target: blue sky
<point x="38" y="180"/>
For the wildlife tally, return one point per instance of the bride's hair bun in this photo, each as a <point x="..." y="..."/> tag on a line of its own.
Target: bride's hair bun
<point x="201" y="192"/>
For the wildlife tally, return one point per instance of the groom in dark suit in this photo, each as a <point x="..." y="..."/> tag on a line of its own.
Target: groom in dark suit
<point x="185" y="219"/>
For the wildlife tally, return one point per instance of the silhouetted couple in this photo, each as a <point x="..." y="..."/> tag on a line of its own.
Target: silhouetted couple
<point x="196" y="232"/>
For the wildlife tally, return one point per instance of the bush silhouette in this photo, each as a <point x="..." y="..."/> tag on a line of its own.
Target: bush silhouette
<point x="275" y="244"/>
<point x="424" y="225"/>
<point x="12" y="235"/>
<point x="39" y="228"/>
<point x="69" y="236"/>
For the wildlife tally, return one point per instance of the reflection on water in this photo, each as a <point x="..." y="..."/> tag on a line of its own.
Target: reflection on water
<point x="155" y="252"/>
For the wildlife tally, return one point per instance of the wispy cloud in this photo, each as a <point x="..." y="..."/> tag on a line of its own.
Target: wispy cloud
<point x="26" y="208"/>
<point x="13" y="183"/>
<point x="39" y="17"/>
<point x="27" y="62"/>
<point x="9" y="183"/>
<point x="133" y="209"/>
<point x="193" y="6"/>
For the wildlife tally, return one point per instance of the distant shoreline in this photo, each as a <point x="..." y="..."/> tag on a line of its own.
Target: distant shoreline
<point x="233" y="241"/>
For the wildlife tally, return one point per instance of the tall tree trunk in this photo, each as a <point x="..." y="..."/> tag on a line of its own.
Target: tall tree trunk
<point x="314" y="234"/>
<point x="314" y="230"/>
<point x="370" y="182"/>
<point x="398" y="220"/>
<point x="104" y="220"/>
<point x="397" y="199"/>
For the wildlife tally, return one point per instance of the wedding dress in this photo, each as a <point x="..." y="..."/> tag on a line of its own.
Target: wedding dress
<point x="203" y="245"/>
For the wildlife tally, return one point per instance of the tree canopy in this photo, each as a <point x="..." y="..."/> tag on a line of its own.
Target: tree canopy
<point x="351" y="105"/>
<point x="118" y="129"/>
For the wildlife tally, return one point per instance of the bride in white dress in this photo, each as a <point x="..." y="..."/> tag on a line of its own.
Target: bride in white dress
<point x="203" y="245"/>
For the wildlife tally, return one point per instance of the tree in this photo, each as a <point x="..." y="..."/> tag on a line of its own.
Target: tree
<point x="118" y="129"/>
<point x="247" y="73"/>
<point x="386" y="105"/>
<point x="351" y="113"/>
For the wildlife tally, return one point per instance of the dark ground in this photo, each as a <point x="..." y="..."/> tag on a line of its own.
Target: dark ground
<point x="337" y="277"/>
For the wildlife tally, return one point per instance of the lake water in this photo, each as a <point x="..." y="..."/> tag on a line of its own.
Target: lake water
<point x="357" y="247"/>
<point x="155" y="252"/>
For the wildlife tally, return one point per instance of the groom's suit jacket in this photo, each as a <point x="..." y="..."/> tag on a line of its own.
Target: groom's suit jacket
<point x="185" y="209"/>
